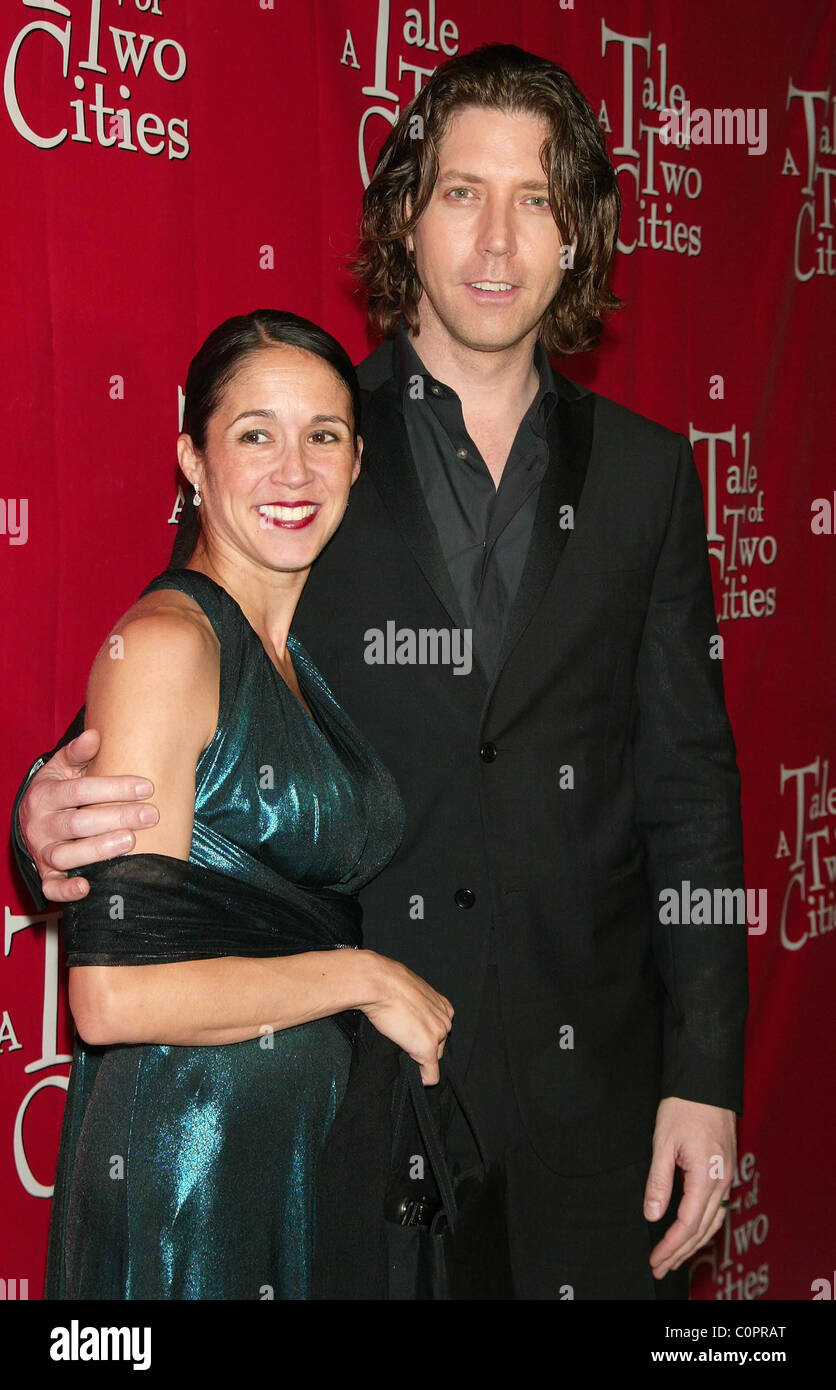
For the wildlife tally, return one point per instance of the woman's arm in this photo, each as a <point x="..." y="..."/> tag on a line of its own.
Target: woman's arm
<point x="224" y="1000"/>
<point x="155" y="702"/>
<point x="153" y="697"/>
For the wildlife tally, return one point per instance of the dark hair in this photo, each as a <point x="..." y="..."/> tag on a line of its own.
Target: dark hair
<point x="583" y="190"/>
<point x="215" y="364"/>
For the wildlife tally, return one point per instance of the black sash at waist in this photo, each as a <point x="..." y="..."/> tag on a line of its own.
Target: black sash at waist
<point x="145" y="909"/>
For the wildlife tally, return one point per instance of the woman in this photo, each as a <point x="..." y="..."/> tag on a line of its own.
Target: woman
<point x="215" y="1012"/>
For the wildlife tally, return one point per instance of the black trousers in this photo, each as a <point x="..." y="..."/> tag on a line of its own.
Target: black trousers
<point x="571" y="1237"/>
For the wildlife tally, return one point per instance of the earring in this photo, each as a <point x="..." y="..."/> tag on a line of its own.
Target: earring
<point x="197" y="499"/>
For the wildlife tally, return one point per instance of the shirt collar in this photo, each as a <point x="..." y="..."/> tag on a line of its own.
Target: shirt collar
<point x="408" y="366"/>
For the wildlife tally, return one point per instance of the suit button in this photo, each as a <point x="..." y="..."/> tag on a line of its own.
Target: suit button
<point x="487" y="752"/>
<point x="463" y="897"/>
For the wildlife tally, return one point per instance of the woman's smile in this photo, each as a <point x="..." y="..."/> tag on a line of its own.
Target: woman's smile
<point x="289" y="516"/>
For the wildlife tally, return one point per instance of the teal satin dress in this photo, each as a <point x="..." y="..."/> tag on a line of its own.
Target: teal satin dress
<point x="191" y="1172"/>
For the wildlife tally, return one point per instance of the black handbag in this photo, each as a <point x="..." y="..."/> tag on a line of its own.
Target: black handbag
<point x="447" y="1236"/>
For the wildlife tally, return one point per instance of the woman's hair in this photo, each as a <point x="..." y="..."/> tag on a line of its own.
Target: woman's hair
<point x="583" y="190"/>
<point x="215" y="364"/>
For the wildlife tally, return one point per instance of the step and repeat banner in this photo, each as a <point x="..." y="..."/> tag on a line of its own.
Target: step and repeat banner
<point x="167" y="164"/>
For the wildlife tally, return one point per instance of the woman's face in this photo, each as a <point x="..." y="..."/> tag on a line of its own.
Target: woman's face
<point x="279" y="460"/>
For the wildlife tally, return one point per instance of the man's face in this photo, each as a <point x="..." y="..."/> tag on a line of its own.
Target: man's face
<point x="487" y="247"/>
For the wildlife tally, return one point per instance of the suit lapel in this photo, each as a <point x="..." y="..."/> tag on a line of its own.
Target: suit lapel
<point x="570" y="441"/>
<point x="388" y="461"/>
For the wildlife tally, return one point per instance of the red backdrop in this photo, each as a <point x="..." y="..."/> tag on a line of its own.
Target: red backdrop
<point x="232" y="180"/>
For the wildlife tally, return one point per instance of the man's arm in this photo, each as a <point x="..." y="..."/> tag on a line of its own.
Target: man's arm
<point x="688" y="814"/>
<point x="688" y="809"/>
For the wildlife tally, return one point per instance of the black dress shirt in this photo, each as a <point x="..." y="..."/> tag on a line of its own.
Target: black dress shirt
<point x="484" y="531"/>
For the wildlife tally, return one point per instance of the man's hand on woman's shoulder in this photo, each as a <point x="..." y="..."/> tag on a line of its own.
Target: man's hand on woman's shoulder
<point x="68" y="819"/>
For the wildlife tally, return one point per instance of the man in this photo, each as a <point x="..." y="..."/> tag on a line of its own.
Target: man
<point x="582" y="761"/>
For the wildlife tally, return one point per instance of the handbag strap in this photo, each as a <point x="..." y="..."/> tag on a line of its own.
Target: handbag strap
<point x="429" y="1132"/>
<point x="430" y="1138"/>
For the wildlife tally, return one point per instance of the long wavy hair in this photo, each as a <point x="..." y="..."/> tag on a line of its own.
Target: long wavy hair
<point x="583" y="189"/>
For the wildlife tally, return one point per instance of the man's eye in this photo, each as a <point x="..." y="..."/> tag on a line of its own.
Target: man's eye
<point x="250" y="436"/>
<point x="539" y="200"/>
<point x="454" y="191"/>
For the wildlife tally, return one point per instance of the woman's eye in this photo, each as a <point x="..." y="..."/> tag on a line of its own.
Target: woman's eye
<point x="455" y="191"/>
<point x="251" y="436"/>
<point x="539" y="201"/>
<point x="321" y="436"/>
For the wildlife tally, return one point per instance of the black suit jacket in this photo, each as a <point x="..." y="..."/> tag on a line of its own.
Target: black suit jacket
<point x="555" y="802"/>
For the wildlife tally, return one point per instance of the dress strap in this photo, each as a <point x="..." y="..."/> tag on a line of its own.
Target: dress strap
<point x="205" y="592"/>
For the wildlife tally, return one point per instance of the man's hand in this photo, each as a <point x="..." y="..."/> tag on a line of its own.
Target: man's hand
<point x="68" y="819"/>
<point x="702" y="1140"/>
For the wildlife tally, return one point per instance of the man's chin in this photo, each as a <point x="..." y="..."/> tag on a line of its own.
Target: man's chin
<point x="479" y="333"/>
<point x="483" y="328"/>
<point x="499" y="339"/>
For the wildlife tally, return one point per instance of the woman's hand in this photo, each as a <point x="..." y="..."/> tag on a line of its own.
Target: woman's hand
<point x="410" y="1012"/>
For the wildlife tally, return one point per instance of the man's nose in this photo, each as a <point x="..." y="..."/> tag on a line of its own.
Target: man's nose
<point x="496" y="232"/>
